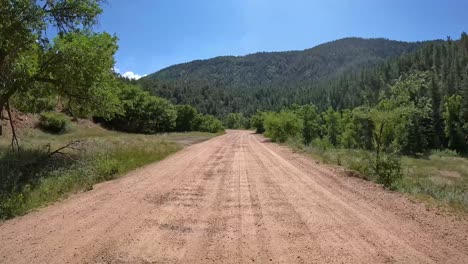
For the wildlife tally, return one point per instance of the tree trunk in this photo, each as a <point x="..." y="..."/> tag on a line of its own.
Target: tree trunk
<point x="14" y="138"/>
<point x="2" y="106"/>
<point x="379" y="142"/>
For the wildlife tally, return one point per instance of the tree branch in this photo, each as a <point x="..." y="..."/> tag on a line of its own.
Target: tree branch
<point x="14" y="138"/>
<point x="46" y="80"/>
<point x="70" y="145"/>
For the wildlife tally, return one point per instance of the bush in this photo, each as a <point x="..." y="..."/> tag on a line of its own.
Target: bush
<point x="311" y="120"/>
<point x="322" y="144"/>
<point x="185" y="116"/>
<point x="207" y="123"/>
<point x="281" y="126"/>
<point x="387" y="168"/>
<point x="360" y="161"/>
<point x="54" y="122"/>
<point x="257" y="122"/>
<point x="107" y="168"/>
<point x="235" y="121"/>
<point x="444" y="153"/>
<point x="143" y="113"/>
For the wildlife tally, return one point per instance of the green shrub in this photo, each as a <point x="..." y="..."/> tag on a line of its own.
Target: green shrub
<point x="185" y="116"/>
<point x="257" y="122"/>
<point x="207" y="123"/>
<point x="360" y="161"/>
<point x="444" y="153"/>
<point x="107" y="168"/>
<point x="281" y="126"/>
<point x="54" y="122"/>
<point x="322" y="144"/>
<point x="235" y="121"/>
<point x="387" y="168"/>
<point x="143" y="113"/>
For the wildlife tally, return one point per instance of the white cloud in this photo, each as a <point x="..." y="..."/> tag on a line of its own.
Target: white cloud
<point x="132" y="75"/>
<point x="129" y="74"/>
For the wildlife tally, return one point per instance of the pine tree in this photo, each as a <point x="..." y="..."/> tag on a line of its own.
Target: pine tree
<point x="437" y="126"/>
<point x="465" y="103"/>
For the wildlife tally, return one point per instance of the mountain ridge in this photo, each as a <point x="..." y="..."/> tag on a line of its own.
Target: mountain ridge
<point x="285" y="51"/>
<point x="162" y="73"/>
<point x="268" y="80"/>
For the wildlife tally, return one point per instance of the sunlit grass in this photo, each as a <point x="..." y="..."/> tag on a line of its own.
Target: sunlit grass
<point x="439" y="179"/>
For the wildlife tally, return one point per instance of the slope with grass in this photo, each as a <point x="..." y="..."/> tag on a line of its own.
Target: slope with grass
<point x="438" y="179"/>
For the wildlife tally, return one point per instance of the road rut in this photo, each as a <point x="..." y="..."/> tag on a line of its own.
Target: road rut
<point x="236" y="198"/>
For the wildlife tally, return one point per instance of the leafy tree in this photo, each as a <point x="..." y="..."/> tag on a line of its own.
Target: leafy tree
<point x="161" y="115"/>
<point x="208" y="123"/>
<point x="349" y="136"/>
<point x="235" y="121"/>
<point x="77" y="64"/>
<point x="283" y="125"/>
<point x="311" y="122"/>
<point x="142" y="112"/>
<point x="35" y="101"/>
<point x="331" y="127"/>
<point x="257" y="122"/>
<point x="366" y="127"/>
<point x="185" y="118"/>
<point x="82" y="73"/>
<point x="401" y="120"/>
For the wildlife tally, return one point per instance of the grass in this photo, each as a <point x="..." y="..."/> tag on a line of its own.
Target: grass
<point x="439" y="179"/>
<point x="30" y="179"/>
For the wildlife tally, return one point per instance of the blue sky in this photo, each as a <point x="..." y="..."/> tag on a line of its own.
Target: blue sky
<point x="154" y="34"/>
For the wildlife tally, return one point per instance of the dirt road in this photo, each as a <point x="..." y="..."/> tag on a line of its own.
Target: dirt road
<point x="235" y="199"/>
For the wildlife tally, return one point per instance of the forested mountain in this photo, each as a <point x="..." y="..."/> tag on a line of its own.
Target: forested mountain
<point x="445" y="62"/>
<point x="412" y="104"/>
<point x="268" y="80"/>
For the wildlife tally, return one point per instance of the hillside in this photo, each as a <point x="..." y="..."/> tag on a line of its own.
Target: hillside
<point x="226" y="84"/>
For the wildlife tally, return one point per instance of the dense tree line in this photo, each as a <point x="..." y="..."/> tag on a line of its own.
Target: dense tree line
<point x="134" y="111"/>
<point x="442" y="78"/>
<point x="402" y="121"/>
<point x="236" y="121"/>
<point x="144" y="113"/>
<point x="445" y="61"/>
